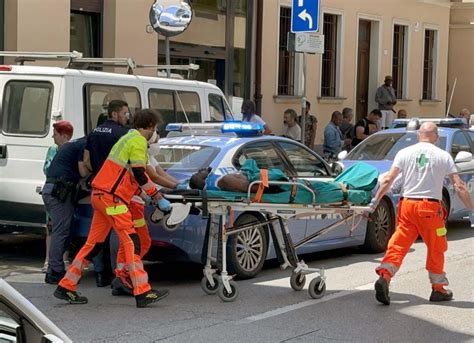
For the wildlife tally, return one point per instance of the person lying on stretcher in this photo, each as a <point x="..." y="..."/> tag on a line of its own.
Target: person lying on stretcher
<point x="354" y="184"/>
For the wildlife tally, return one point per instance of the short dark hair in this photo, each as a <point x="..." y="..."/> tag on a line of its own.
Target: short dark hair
<point x="146" y="118"/>
<point x="308" y="105"/>
<point x="346" y="111"/>
<point x="335" y="114"/>
<point x="248" y="107"/>
<point x="115" y="106"/>
<point x="377" y="112"/>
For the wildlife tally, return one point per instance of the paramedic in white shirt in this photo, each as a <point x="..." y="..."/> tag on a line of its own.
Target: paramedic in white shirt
<point x="248" y="115"/>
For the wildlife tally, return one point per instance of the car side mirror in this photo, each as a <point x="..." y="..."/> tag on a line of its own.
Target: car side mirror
<point x="342" y="155"/>
<point x="463" y="156"/>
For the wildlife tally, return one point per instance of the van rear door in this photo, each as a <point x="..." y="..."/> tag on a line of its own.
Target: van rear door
<point x="27" y="102"/>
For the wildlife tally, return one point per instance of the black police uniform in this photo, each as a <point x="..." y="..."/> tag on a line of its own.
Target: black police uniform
<point x="58" y="196"/>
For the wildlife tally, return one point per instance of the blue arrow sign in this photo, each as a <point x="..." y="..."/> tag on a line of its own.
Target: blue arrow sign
<point x="305" y="16"/>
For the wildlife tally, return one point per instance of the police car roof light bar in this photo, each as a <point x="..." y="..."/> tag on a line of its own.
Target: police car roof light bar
<point x="415" y="123"/>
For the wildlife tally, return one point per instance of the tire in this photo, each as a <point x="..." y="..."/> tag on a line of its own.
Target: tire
<point x="206" y="286"/>
<point x="247" y="250"/>
<point x="297" y="281"/>
<point x="379" y="229"/>
<point x="313" y="289"/>
<point x="224" y="295"/>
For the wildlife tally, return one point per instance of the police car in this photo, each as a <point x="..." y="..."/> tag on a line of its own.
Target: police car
<point x="225" y="147"/>
<point x="380" y="149"/>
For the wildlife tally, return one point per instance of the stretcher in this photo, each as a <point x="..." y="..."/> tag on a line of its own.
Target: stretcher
<point x="220" y="207"/>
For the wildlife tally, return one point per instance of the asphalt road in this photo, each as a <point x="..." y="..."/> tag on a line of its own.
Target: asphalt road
<point x="267" y="309"/>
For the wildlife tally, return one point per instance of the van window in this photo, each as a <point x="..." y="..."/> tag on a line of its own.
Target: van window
<point x="27" y="108"/>
<point x="97" y="97"/>
<point x="170" y="105"/>
<point x="218" y="108"/>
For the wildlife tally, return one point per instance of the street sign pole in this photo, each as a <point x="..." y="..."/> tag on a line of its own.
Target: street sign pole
<point x="303" y="103"/>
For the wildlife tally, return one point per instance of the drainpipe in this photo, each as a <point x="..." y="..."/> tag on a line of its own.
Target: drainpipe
<point x="258" y="58"/>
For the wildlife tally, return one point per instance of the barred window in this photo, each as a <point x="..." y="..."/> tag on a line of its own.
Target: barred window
<point x="399" y="59"/>
<point x="429" y="64"/>
<point x="286" y="60"/>
<point x="329" y="67"/>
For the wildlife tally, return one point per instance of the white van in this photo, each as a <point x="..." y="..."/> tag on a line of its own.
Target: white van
<point x="34" y="97"/>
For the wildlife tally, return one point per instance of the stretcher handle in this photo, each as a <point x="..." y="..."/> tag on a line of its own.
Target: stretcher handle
<point x="287" y="183"/>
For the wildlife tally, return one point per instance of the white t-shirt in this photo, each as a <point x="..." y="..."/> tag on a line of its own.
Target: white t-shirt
<point x="423" y="167"/>
<point x="293" y="132"/>
<point x="254" y="119"/>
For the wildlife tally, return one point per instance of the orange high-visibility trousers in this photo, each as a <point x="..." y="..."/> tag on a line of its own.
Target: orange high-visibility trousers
<point x="422" y="217"/>
<point x="109" y="211"/>
<point x="137" y="210"/>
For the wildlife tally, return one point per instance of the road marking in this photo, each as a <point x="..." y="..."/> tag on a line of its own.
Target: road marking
<point x="289" y="308"/>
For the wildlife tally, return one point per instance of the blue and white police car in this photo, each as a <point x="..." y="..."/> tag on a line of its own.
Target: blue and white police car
<point x="225" y="147"/>
<point x="380" y="149"/>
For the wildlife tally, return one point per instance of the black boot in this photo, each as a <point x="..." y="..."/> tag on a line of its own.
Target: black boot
<point x="119" y="288"/>
<point x="437" y="296"/>
<point x="53" y="278"/>
<point x="381" y="291"/>
<point x="70" y="296"/>
<point x="150" y="297"/>
<point x="102" y="279"/>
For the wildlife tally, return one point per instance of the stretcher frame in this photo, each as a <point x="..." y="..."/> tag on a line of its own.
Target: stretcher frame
<point x="223" y="210"/>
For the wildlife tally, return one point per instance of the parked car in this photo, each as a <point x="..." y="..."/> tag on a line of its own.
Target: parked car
<point x="35" y="97"/>
<point x="380" y="149"/>
<point x="21" y="321"/>
<point x="183" y="155"/>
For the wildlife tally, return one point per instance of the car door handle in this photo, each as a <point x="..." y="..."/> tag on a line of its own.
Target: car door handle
<point x="3" y="151"/>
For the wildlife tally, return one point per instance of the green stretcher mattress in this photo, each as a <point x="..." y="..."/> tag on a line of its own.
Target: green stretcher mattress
<point x="359" y="181"/>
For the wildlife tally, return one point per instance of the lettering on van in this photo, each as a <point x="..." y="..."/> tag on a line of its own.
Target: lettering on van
<point x="103" y="129"/>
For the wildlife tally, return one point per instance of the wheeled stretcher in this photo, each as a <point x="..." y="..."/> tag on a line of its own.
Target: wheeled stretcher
<point x="220" y="206"/>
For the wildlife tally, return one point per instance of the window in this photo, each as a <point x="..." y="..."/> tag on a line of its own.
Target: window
<point x="286" y="59"/>
<point x="27" y="108"/>
<point x="399" y="59"/>
<point x="85" y="33"/>
<point x="219" y="110"/>
<point x="98" y="97"/>
<point x="264" y="154"/>
<point x="329" y="78"/>
<point x="460" y="143"/>
<point x="189" y="158"/>
<point x="429" y="64"/>
<point x="305" y="163"/>
<point x="172" y="105"/>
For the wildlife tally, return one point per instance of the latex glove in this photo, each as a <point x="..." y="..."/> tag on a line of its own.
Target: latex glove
<point x="182" y="185"/>
<point x="372" y="205"/>
<point x="164" y="205"/>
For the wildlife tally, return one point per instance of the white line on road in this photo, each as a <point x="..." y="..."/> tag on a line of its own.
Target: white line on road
<point x="289" y="308"/>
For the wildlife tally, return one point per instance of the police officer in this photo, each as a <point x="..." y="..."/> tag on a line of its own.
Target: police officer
<point x="423" y="168"/>
<point x="99" y="143"/>
<point x="58" y="194"/>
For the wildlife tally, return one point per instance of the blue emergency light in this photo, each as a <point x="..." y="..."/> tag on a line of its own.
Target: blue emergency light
<point x="242" y="129"/>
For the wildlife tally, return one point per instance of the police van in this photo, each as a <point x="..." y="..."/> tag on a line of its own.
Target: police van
<point x="34" y="97"/>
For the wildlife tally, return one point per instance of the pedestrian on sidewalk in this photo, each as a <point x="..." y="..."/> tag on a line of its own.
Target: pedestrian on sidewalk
<point x="423" y="168"/>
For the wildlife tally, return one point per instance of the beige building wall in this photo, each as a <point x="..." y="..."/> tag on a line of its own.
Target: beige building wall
<point x="417" y="14"/>
<point x="461" y="57"/>
<point x="31" y="25"/>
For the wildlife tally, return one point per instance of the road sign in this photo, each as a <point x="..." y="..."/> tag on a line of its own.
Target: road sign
<point x="311" y="43"/>
<point x="305" y="16"/>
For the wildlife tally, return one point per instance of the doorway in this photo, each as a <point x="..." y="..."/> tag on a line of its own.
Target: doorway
<point x="363" y="69"/>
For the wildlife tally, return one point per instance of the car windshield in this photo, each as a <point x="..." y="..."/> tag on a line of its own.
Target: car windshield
<point x="385" y="146"/>
<point x="185" y="157"/>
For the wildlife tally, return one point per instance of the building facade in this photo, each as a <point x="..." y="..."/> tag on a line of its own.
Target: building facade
<point x="240" y="45"/>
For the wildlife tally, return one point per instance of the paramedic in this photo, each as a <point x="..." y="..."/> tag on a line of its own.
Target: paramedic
<point x="119" y="179"/>
<point x="58" y="194"/>
<point x="99" y="143"/>
<point x="423" y="168"/>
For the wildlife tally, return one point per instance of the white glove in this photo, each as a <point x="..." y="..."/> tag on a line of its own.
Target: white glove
<point x="372" y="206"/>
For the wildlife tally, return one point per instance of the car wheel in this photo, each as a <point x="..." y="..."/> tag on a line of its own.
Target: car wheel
<point x="247" y="250"/>
<point x="380" y="228"/>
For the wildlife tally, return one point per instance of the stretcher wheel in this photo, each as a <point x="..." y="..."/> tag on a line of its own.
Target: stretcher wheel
<point x="226" y="296"/>
<point x="206" y="286"/>
<point x="314" y="288"/>
<point x="297" y="281"/>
